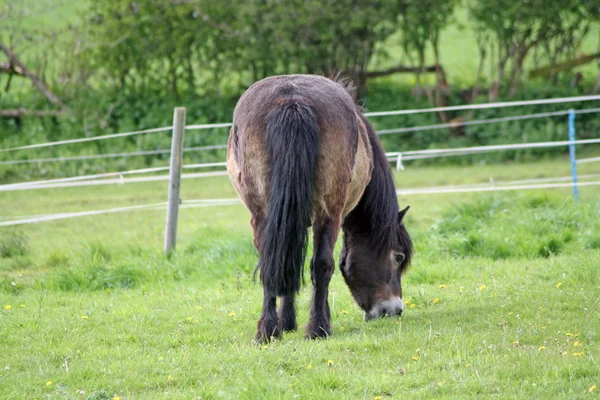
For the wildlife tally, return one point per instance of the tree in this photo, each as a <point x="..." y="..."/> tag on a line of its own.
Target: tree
<point x="516" y="27"/>
<point x="152" y="41"/>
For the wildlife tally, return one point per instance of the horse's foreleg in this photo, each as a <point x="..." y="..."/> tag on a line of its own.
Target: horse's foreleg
<point x="322" y="266"/>
<point x="287" y="313"/>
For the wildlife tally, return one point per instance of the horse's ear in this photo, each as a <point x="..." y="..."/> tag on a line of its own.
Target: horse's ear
<point x="402" y="213"/>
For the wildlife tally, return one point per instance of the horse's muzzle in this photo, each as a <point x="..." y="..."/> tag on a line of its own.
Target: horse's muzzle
<point x="386" y="308"/>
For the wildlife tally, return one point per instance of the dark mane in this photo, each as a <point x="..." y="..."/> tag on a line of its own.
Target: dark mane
<point x="347" y="85"/>
<point x="376" y="214"/>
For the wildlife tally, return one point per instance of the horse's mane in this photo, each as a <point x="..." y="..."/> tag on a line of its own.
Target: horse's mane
<point x="376" y="214"/>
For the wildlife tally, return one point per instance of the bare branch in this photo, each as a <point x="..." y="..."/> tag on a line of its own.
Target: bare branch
<point x="402" y="69"/>
<point x="10" y="69"/>
<point x="14" y="61"/>
<point x="21" y="112"/>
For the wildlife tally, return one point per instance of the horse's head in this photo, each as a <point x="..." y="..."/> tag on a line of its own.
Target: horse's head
<point x="374" y="278"/>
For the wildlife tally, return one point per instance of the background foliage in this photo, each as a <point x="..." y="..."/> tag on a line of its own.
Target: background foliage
<point x="120" y="65"/>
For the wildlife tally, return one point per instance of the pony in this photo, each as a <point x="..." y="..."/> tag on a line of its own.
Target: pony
<point x="300" y="154"/>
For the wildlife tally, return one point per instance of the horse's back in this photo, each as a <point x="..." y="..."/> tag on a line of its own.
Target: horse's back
<point x="343" y="164"/>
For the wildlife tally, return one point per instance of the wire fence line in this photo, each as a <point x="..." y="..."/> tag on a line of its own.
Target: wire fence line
<point x="121" y="174"/>
<point x="485" y="121"/>
<point x="491" y="187"/>
<point x="87" y="139"/>
<point x="485" y="106"/>
<point x="368" y="114"/>
<point x="224" y="146"/>
<point x="439" y="190"/>
<point x="429" y="153"/>
<point x="119" y="181"/>
<point x="399" y="157"/>
<point x="588" y="160"/>
<point x="112" y="155"/>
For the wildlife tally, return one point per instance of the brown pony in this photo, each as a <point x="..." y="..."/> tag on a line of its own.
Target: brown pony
<point x="301" y="153"/>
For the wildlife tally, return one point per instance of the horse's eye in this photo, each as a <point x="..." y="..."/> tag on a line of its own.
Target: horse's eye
<point x="400" y="257"/>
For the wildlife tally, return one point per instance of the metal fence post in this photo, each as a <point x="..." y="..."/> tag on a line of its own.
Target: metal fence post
<point x="572" y="153"/>
<point x="175" y="178"/>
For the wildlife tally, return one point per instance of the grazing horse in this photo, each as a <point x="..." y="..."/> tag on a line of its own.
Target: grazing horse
<point x="301" y="153"/>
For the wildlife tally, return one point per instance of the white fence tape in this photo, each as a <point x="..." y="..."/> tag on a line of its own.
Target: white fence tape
<point x="485" y="106"/>
<point x="588" y="160"/>
<point x="87" y="139"/>
<point x="429" y="153"/>
<point x="489" y="188"/>
<point x="484" y="121"/>
<point x="119" y="181"/>
<point x="55" y="182"/>
<point x="111" y="155"/>
<point x="392" y="156"/>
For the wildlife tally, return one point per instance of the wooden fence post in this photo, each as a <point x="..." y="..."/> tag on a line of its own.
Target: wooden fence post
<point x="175" y="178"/>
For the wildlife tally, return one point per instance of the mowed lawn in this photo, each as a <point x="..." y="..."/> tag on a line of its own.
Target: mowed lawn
<point x="502" y="300"/>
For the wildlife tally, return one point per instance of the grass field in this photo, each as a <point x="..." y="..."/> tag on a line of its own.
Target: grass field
<point x="502" y="300"/>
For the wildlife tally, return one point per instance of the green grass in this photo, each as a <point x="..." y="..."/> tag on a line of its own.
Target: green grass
<point x="502" y="300"/>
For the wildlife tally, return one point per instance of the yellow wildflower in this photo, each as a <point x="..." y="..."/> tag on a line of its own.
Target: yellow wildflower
<point x="169" y="378"/>
<point x="344" y="312"/>
<point x="189" y="318"/>
<point x="377" y="398"/>
<point x="232" y="314"/>
<point x="84" y="317"/>
<point x="436" y="300"/>
<point x="542" y="348"/>
<point x="415" y="358"/>
<point x="265" y="347"/>
<point x="309" y="366"/>
<point x="579" y="354"/>
<point x="482" y="287"/>
<point x="330" y="362"/>
<point x="442" y="286"/>
<point x="412" y="305"/>
<point x="559" y="284"/>
<point x="577" y="343"/>
<point x="591" y="388"/>
<point x="49" y="383"/>
<point x="468" y="365"/>
<point x="7" y="307"/>
<point x="116" y="398"/>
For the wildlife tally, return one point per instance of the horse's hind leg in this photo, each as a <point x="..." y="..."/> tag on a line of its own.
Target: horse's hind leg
<point x="325" y="232"/>
<point x="268" y="327"/>
<point x="287" y="313"/>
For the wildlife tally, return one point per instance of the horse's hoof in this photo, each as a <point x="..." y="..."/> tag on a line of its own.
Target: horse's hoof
<point x="262" y="338"/>
<point x="321" y="331"/>
<point x="267" y="331"/>
<point x="287" y="326"/>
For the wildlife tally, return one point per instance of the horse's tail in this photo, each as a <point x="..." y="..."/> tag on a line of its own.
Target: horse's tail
<point x="292" y="140"/>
